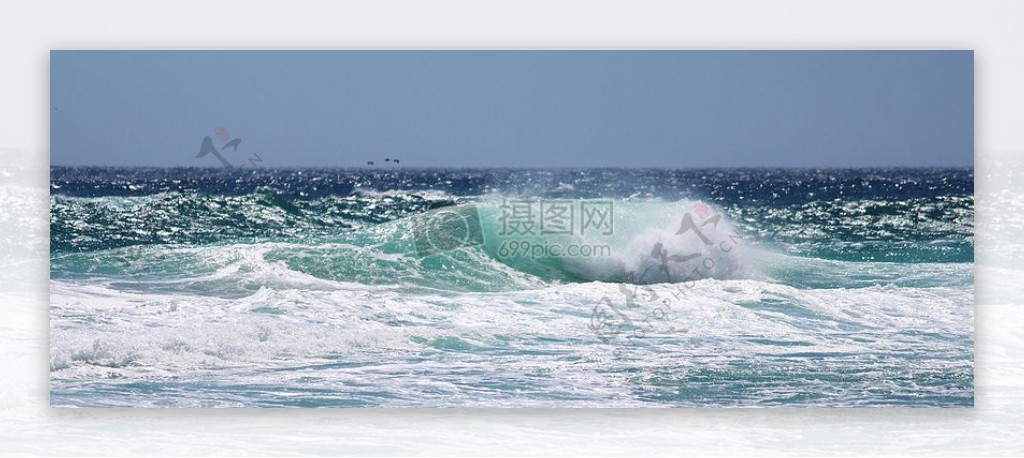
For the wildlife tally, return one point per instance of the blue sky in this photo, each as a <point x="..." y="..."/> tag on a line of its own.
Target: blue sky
<point x="674" y="109"/>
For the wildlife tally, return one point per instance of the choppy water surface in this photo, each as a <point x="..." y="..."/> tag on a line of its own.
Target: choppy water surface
<point x="334" y="288"/>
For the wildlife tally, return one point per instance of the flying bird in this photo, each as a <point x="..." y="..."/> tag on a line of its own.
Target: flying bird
<point x="369" y="163"/>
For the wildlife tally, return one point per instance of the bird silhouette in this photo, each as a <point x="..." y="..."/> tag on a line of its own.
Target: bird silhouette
<point x="387" y="159"/>
<point x="369" y="163"/>
<point x="396" y="161"/>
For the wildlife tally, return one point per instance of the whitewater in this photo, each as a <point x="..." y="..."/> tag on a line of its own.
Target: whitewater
<point x="369" y="288"/>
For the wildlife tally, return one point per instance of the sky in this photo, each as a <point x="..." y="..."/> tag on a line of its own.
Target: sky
<point x="666" y="109"/>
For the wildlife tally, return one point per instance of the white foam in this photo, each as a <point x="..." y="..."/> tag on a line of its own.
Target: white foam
<point x="100" y="331"/>
<point x="649" y="246"/>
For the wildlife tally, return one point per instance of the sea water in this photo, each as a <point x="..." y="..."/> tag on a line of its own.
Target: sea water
<point x="453" y="287"/>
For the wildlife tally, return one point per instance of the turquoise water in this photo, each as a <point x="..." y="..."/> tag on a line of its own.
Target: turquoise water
<point x="407" y="288"/>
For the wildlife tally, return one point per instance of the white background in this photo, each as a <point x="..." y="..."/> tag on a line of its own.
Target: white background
<point x="29" y="30"/>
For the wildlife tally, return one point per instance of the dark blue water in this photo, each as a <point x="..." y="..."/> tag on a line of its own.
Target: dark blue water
<point x="863" y="213"/>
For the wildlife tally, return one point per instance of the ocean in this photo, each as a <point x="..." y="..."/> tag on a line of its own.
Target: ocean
<point x="401" y="287"/>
